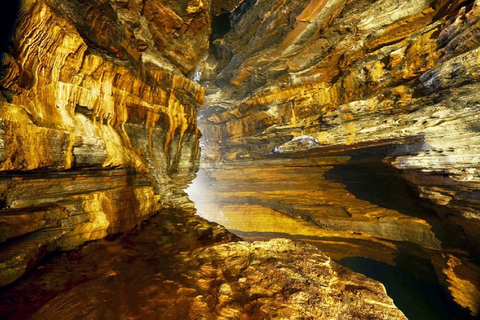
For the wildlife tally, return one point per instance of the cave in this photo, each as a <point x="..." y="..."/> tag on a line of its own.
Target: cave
<point x="240" y="159"/>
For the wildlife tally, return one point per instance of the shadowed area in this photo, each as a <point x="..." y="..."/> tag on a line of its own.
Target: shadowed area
<point x="416" y="297"/>
<point x="180" y="266"/>
<point x="8" y="18"/>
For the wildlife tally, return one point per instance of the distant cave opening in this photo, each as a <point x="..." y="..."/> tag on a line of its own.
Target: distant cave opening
<point x="8" y="18"/>
<point x="220" y="26"/>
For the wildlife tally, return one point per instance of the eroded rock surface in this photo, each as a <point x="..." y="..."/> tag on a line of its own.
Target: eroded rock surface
<point x="179" y="266"/>
<point x="354" y="73"/>
<point x="97" y="120"/>
<point x="386" y="81"/>
<point x="280" y="279"/>
<point x="347" y="211"/>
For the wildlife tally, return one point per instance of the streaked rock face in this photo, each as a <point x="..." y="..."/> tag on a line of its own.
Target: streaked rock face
<point x="97" y="120"/>
<point x="393" y="82"/>
<point x="351" y="72"/>
<point x="98" y="129"/>
<point x="347" y="211"/>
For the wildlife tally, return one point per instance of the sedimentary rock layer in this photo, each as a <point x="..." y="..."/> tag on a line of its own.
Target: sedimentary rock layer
<point x="347" y="211"/>
<point x="294" y="76"/>
<point x="97" y="120"/>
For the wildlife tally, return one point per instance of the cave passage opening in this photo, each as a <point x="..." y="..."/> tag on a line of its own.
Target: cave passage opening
<point x="220" y="26"/>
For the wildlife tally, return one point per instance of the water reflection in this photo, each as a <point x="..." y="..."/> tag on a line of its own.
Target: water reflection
<point x="349" y="212"/>
<point x="140" y="275"/>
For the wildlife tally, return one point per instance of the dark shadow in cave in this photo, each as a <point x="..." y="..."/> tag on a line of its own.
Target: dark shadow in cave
<point x="220" y="26"/>
<point x="412" y="283"/>
<point x="384" y="186"/>
<point x="418" y="299"/>
<point x="8" y="18"/>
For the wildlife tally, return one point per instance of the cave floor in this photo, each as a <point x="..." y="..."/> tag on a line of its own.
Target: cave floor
<point x="364" y="217"/>
<point x="96" y="280"/>
<point x="181" y="266"/>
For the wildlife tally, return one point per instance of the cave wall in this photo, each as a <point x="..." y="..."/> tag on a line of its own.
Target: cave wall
<point x="303" y="78"/>
<point x="97" y="120"/>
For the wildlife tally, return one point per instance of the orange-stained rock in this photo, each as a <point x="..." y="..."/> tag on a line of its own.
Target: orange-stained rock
<point x="179" y="265"/>
<point x="347" y="73"/>
<point x="383" y="82"/>
<point x="346" y="210"/>
<point x="97" y="120"/>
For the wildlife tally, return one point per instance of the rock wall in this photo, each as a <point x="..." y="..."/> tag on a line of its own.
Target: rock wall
<point x="97" y="120"/>
<point x="305" y="77"/>
<point x="367" y="83"/>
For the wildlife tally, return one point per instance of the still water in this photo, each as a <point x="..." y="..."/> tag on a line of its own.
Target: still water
<point x="365" y="217"/>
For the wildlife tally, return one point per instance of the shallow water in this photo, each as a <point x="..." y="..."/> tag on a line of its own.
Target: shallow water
<point x="365" y="217"/>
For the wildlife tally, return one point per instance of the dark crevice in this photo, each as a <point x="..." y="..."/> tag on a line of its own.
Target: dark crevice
<point x="84" y="110"/>
<point x="418" y="299"/>
<point x="220" y="26"/>
<point x="8" y="18"/>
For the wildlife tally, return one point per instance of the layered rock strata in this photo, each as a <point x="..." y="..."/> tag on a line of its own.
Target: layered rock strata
<point x="343" y="72"/>
<point x="371" y="81"/>
<point x="179" y="266"/>
<point x="97" y="120"/>
<point x="347" y="211"/>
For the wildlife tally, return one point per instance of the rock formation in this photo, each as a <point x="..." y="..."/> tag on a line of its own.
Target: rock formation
<point x="97" y="120"/>
<point x="347" y="211"/>
<point x="179" y="266"/>
<point x="98" y="131"/>
<point x="354" y="82"/>
<point x="354" y="74"/>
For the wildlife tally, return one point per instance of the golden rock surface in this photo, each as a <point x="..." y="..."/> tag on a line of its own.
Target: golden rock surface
<point x="97" y="121"/>
<point x="350" y="73"/>
<point x="180" y="266"/>
<point x="379" y="82"/>
<point x="98" y="131"/>
<point x="346" y="211"/>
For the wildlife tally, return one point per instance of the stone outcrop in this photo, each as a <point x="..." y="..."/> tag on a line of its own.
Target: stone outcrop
<point x="97" y="120"/>
<point x="179" y="266"/>
<point x="347" y="211"/>
<point x="98" y="131"/>
<point x="350" y="73"/>
<point x="361" y="82"/>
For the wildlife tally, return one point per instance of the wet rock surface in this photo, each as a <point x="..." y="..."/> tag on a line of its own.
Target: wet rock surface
<point x="179" y="266"/>
<point x="351" y="74"/>
<point x="97" y="121"/>
<point x="98" y="132"/>
<point x="280" y="279"/>
<point x="348" y="211"/>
